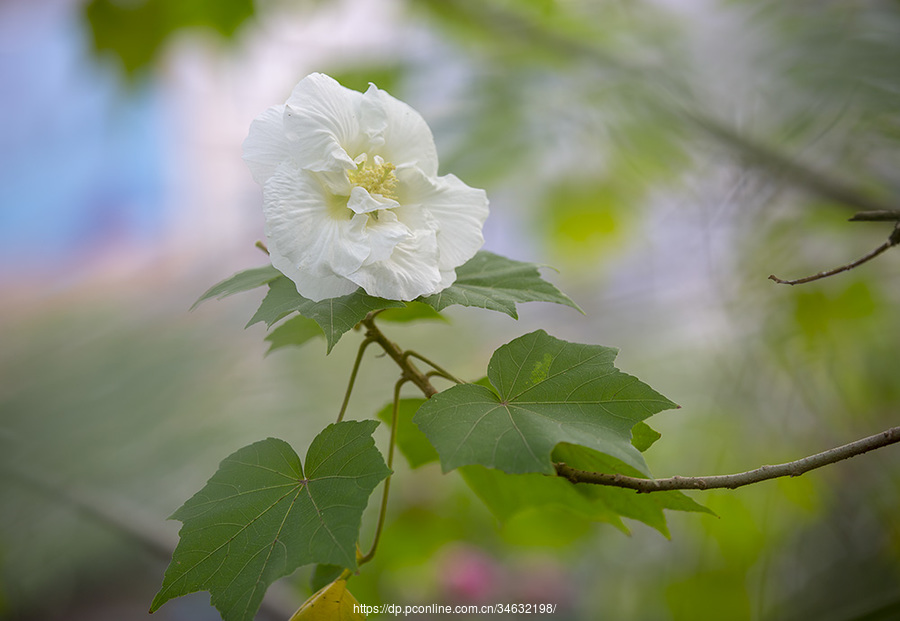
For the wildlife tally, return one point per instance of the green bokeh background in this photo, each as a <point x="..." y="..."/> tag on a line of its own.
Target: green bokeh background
<point x="580" y="119"/>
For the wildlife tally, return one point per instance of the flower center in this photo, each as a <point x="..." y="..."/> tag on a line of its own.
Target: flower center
<point x="375" y="178"/>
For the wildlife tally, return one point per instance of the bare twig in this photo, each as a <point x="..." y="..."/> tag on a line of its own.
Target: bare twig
<point x="732" y="481"/>
<point x="893" y="240"/>
<point x="880" y="215"/>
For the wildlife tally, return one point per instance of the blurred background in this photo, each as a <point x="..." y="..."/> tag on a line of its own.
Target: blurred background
<point x="665" y="156"/>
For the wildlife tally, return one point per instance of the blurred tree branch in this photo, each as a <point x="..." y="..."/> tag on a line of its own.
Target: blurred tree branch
<point x="529" y="32"/>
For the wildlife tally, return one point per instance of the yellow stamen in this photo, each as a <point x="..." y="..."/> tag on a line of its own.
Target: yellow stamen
<point x="376" y="179"/>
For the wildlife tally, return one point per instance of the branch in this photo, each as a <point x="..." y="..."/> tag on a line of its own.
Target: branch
<point x="879" y="215"/>
<point x="893" y="240"/>
<point x="499" y="22"/>
<point x="410" y="371"/>
<point x="732" y="481"/>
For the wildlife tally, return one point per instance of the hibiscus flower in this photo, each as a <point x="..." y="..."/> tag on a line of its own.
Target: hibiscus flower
<point x="352" y="197"/>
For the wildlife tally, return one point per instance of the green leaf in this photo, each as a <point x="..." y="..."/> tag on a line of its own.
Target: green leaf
<point x="413" y="311"/>
<point x="240" y="282"/>
<point x="335" y="315"/>
<point x="323" y="575"/>
<point x="295" y="331"/>
<point x="507" y="495"/>
<point x="496" y="283"/>
<point x="548" y="391"/>
<point x="411" y="442"/>
<point x="643" y="436"/>
<point x="260" y="517"/>
<point x="624" y="501"/>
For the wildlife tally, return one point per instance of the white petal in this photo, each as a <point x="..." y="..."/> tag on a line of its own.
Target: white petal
<point x="311" y="227"/>
<point x="321" y="120"/>
<point x="315" y="288"/>
<point x="459" y="210"/>
<point x="409" y="272"/>
<point x="407" y="139"/>
<point x="363" y="202"/>
<point x="384" y="234"/>
<point x="266" y="146"/>
<point x="448" y="277"/>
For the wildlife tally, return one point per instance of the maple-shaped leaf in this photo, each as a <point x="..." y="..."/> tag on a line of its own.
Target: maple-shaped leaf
<point x="546" y="391"/>
<point x="335" y="315"/>
<point x="496" y="283"/>
<point x="262" y="515"/>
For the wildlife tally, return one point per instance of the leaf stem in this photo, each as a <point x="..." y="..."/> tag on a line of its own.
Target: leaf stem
<point x="359" y="354"/>
<point x="733" y="481"/>
<point x="390" y="463"/>
<point x="440" y="370"/>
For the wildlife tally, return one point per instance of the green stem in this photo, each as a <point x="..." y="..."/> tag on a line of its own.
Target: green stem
<point x="359" y="354"/>
<point x="410" y="372"/>
<point x="440" y="370"/>
<point x="387" y="482"/>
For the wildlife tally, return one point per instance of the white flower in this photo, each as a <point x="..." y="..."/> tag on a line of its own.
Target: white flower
<point x="352" y="198"/>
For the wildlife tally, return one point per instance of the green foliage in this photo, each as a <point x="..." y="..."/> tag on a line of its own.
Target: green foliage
<point x="547" y="391"/>
<point x="643" y="436"/>
<point x="496" y="283"/>
<point x="137" y="31"/>
<point x="295" y="331"/>
<point x="485" y="281"/>
<point x="335" y="315"/>
<point x="413" y="311"/>
<point x="240" y="282"/>
<point x="261" y="516"/>
<point x="509" y="495"/>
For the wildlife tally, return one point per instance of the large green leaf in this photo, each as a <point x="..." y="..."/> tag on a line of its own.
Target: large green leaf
<point x="509" y="494"/>
<point x="242" y="281"/>
<point x="335" y="315"/>
<point x="547" y="391"/>
<point x="496" y="283"/>
<point x="261" y="516"/>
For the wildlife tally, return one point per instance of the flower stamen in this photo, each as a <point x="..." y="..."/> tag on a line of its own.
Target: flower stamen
<point x="377" y="179"/>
